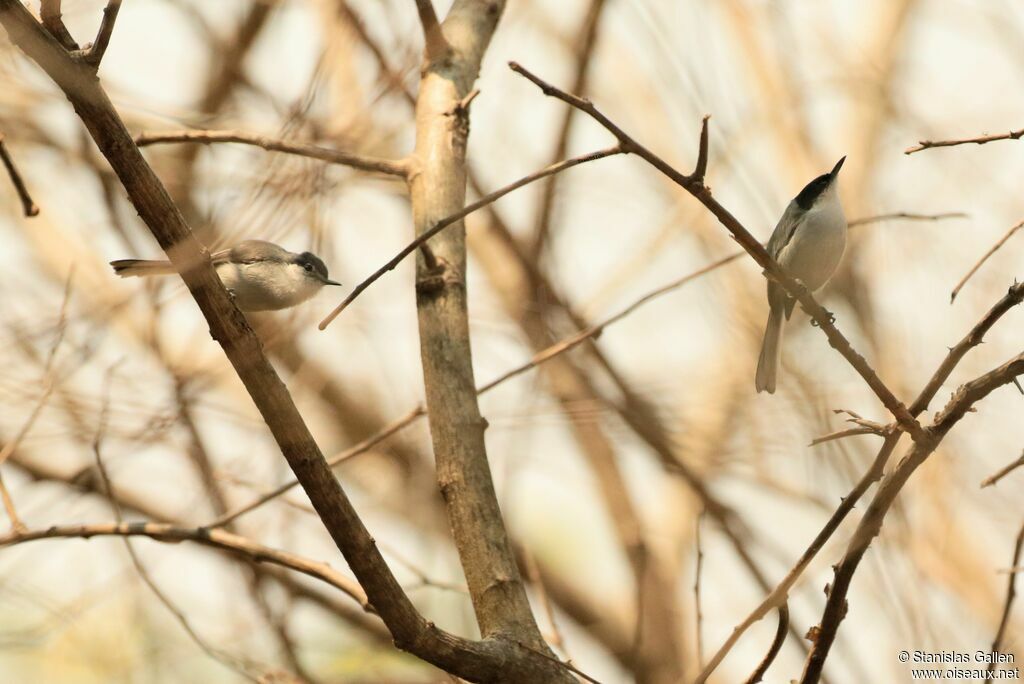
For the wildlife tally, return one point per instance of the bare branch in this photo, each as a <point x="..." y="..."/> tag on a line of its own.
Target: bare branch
<point x="94" y="55"/>
<point x="462" y="213"/>
<point x="989" y="253"/>
<point x="1003" y="472"/>
<point x="436" y="45"/>
<point x="981" y="140"/>
<point x="220" y="539"/>
<point x="752" y="246"/>
<point x="398" y="168"/>
<point x="28" y="206"/>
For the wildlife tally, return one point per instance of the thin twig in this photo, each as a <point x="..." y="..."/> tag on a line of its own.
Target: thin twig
<point x="977" y="265"/>
<point x="907" y="216"/>
<point x="28" y="206"/>
<point x="436" y="45"/>
<point x="1011" y="593"/>
<point x="390" y="167"/>
<point x="981" y="140"/>
<point x="462" y="213"/>
<point x="773" y="650"/>
<point x="1003" y="472"/>
<point x="94" y="55"/>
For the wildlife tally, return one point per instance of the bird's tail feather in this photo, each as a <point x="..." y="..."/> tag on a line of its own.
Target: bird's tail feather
<point x="771" y="351"/>
<point x="127" y="268"/>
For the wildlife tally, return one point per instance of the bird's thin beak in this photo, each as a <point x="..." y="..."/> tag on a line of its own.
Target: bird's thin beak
<point x="835" y="169"/>
<point x="328" y="281"/>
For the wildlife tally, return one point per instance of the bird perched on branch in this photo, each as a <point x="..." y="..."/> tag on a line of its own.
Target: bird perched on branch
<point x="808" y="243"/>
<point x="259" y="275"/>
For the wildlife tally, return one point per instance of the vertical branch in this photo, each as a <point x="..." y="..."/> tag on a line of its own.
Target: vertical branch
<point x="438" y="189"/>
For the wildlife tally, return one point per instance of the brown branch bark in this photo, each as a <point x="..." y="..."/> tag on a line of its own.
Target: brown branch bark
<point x="438" y="189"/>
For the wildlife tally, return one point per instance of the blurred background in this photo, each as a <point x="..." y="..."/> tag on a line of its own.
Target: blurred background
<point x="604" y="457"/>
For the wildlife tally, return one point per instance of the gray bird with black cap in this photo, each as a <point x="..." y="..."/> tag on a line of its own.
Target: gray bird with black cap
<point x="808" y="243"/>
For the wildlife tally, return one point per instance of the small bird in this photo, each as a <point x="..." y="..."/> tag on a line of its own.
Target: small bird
<point x="808" y="243"/>
<point x="259" y="275"/>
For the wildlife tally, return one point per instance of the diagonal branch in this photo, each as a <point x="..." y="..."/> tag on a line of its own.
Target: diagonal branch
<point x="694" y="184"/>
<point x="426" y="235"/>
<point x="28" y="206"/>
<point x="393" y="168"/>
<point x="1003" y="472"/>
<point x="984" y="258"/>
<point x="981" y="140"/>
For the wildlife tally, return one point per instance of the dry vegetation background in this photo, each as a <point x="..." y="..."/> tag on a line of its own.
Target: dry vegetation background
<point x="126" y="370"/>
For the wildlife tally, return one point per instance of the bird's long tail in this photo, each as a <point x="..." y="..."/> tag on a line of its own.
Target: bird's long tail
<point x="127" y="268"/>
<point x="771" y="351"/>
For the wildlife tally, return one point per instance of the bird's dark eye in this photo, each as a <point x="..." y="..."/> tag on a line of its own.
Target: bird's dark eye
<point x="308" y="267"/>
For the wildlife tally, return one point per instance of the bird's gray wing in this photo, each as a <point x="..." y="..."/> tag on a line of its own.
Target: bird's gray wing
<point x="248" y="251"/>
<point x="785" y="229"/>
<point x="780" y="239"/>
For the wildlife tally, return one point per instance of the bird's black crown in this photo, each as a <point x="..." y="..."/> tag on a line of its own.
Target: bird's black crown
<point x="311" y="262"/>
<point x="813" y="190"/>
